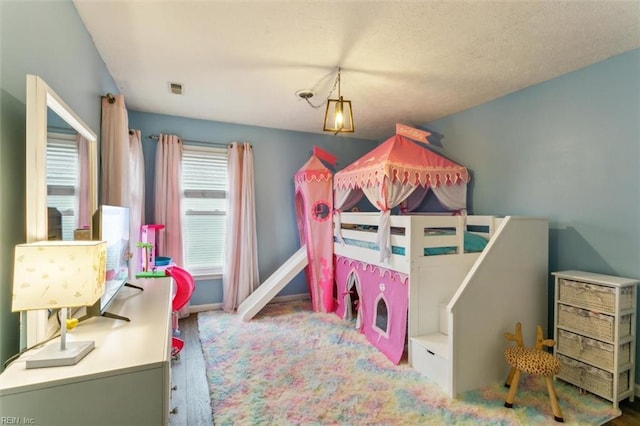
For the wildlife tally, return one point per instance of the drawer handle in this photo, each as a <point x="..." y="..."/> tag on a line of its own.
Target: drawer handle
<point x="174" y="411"/>
<point x="430" y="352"/>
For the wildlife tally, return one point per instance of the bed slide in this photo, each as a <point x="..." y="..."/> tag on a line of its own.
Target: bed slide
<point x="272" y="286"/>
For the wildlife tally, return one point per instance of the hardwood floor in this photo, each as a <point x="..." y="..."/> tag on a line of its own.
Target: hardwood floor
<point x="630" y="414"/>
<point x="191" y="398"/>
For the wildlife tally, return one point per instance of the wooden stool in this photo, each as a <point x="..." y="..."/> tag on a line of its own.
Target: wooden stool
<point x="533" y="361"/>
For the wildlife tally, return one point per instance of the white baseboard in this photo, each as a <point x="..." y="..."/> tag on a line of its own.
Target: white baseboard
<point x="291" y="298"/>
<point x="194" y="309"/>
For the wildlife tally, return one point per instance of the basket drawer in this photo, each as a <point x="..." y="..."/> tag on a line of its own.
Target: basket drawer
<point x="594" y="352"/>
<point x="597" y="325"/>
<point x="593" y="296"/>
<point x="591" y="378"/>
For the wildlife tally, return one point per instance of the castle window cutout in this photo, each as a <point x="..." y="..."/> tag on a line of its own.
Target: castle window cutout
<point x="382" y="316"/>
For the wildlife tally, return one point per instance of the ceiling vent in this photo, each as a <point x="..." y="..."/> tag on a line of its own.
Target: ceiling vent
<point x="176" y="88"/>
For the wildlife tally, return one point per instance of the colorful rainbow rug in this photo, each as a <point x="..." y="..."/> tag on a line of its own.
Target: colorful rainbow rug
<point x="290" y="366"/>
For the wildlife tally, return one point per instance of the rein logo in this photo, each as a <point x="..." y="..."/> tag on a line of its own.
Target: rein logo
<point x="15" y="420"/>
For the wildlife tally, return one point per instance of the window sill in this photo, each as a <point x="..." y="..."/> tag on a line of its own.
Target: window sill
<point x="206" y="275"/>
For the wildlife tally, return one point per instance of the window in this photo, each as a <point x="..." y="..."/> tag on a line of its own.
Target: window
<point x="62" y="178"/>
<point x="204" y="181"/>
<point x="382" y="316"/>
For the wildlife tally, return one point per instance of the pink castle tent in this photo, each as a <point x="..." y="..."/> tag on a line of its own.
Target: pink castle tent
<point x="314" y="210"/>
<point x="397" y="172"/>
<point x="383" y="300"/>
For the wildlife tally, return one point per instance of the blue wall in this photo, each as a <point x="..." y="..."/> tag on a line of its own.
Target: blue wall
<point x="278" y="154"/>
<point x="568" y="150"/>
<point x="47" y="39"/>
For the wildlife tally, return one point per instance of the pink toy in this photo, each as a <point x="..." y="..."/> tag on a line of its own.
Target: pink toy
<point x="150" y="262"/>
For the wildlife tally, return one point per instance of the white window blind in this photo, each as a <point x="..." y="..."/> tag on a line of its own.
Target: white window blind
<point x="62" y="179"/>
<point x="204" y="180"/>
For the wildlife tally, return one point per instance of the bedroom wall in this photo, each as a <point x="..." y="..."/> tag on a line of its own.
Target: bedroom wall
<point x="568" y="150"/>
<point x="278" y="154"/>
<point x="47" y="39"/>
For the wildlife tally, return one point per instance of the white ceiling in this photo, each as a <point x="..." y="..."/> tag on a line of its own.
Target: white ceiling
<point x="402" y="61"/>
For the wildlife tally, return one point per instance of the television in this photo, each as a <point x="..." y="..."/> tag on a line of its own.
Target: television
<point x="111" y="224"/>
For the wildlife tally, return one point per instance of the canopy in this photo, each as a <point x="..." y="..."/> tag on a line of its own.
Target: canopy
<point x="400" y="170"/>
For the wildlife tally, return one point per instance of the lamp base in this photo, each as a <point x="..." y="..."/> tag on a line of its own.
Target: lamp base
<point x="53" y="356"/>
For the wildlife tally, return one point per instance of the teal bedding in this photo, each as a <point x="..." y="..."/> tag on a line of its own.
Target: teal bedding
<point x="472" y="243"/>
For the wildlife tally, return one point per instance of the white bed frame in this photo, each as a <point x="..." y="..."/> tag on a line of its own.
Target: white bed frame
<point x="460" y="305"/>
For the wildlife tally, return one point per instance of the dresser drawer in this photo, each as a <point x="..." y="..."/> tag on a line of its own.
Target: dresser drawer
<point x="594" y="324"/>
<point x="593" y="351"/>
<point x="591" y="378"/>
<point x="592" y="296"/>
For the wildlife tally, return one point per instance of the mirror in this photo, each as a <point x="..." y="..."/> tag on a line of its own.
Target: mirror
<point x="48" y="115"/>
<point x="68" y="186"/>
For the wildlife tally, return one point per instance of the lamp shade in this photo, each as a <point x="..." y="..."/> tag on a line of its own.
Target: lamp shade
<point x="58" y="274"/>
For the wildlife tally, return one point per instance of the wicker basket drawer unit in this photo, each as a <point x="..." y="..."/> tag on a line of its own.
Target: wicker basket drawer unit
<point x="595" y="333"/>
<point x="594" y="324"/>
<point x="591" y="378"/>
<point x="592" y="296"/>
<point x="592" y="351"/>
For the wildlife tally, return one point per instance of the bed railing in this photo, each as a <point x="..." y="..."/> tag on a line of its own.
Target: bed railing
<point x="416" y="232"/>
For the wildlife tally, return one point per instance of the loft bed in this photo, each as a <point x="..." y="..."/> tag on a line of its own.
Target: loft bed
<point x="446" y="286"/>
<point x="459" y="304"/>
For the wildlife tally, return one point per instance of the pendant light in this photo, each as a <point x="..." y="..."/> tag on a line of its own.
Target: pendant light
<point x="338" y="117"/>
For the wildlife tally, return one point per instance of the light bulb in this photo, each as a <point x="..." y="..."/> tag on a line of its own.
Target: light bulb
<point x="338" y="115"/>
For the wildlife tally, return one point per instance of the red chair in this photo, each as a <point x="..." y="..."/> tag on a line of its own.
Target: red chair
<point x="184" y="289"/>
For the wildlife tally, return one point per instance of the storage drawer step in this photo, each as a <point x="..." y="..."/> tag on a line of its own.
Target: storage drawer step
<point x="429" y="363"/>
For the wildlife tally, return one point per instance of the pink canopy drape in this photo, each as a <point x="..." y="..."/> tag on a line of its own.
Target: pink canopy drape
<point x="136" y="197"/>
<point x="114" y="149"/>
<point x="240" y="275"/>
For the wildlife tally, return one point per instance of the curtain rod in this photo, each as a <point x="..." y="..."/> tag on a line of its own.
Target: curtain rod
<point x="112" y="99"/>
<point x="202" y="143"/>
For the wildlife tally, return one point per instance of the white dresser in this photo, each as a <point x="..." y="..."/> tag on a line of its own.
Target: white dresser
<point x="595" y="332"/>
<point x="125" y="380"/>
